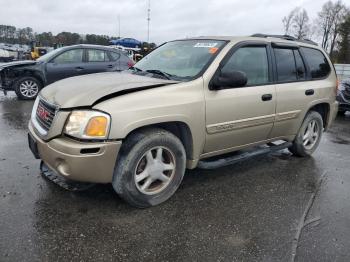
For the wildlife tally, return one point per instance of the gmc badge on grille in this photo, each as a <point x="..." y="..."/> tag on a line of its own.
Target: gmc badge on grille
<point x="42" y="113"/>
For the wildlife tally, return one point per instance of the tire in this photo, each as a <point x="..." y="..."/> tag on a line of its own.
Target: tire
<point x="137" y="174"/>
<point x="300" y="146"/>
<point x="27" y="88"/>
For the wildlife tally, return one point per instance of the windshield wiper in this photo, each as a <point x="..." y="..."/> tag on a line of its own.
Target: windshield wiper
<point x="158" y="72"/>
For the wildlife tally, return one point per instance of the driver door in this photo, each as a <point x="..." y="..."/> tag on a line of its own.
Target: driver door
<point x="245" y="115"/>
<point x="67" y="64"/>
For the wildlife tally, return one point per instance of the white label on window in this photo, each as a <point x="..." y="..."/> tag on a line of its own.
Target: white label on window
<point x="206" y="45"/>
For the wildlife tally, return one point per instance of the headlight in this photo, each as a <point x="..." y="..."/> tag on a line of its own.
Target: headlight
<point x="88" y="125"/>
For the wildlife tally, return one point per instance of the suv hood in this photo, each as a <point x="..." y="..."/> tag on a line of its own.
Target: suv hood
<point x="17" y="63"/>
<point x="88" y="89"/>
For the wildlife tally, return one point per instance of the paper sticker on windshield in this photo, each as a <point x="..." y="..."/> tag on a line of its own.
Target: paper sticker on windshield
<point x="205" y="45"/>
<point x="213" y="50"/>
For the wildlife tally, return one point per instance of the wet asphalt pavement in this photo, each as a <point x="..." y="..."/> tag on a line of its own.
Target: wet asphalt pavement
<point x="251" y="211"/>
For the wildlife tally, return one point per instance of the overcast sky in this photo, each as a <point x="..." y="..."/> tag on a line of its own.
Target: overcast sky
<point x="170" y="19"/>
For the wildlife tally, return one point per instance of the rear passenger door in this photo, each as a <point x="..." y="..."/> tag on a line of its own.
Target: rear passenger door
<point x="245" y="115"/>
<point x="299" y="73"/>
<point x="98" y="61"/>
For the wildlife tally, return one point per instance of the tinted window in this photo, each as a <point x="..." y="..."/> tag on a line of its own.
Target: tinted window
<point x="300" y="65"/>
<point x="252" y="61"/>
<point x="115" y="56"/>
<point x="95" y="55"/>
<point x="71" y="56"/>
<point x="317" y="62"/>
<point x="285" y="63"/>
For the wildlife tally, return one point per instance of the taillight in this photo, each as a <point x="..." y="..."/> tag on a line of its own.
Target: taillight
<point x="337" y="83"/>
<point x="336" y="86"/>
<point x="130" y="64"/>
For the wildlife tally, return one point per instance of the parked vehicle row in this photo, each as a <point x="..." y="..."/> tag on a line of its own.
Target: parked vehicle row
<point x="343" y="96"/>
<point x="27" y="78"/>
<point x="187" y="101"/>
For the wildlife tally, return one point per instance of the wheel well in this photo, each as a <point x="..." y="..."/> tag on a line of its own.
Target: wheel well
<point x="323" y="110"/>
<point x="35" y="75"/>
<point x="180" y="130"/>
<point x="30" y="73"/>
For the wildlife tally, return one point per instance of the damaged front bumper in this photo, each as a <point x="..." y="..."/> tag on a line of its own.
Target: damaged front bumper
<point x="91" y="162"/>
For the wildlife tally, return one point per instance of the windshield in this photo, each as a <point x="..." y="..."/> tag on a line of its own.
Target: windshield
<point x="49" y="55"/>
<point x="180" y="60"/>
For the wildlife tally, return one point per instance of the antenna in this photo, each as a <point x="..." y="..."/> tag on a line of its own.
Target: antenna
<point x="148" y="19"/>
<point x="119" y="26"/>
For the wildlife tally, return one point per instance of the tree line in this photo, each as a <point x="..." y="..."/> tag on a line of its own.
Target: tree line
<point x="26" y="36"/>
<point x="331" y="28"/>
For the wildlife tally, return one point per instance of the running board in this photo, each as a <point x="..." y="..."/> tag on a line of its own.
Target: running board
<point x="270" y="148"/>
<point x="69" y="185"/>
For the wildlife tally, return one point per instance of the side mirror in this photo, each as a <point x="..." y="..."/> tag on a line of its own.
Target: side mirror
<point x="229" y="80"/>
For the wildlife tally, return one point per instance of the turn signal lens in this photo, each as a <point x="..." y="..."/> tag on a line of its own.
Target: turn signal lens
<point x="97" y="126"/>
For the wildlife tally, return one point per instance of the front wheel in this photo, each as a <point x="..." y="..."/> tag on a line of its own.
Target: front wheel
<point x="27" y="88"/>
<point x="309" y="135"/>
<point x="150" y="167"/>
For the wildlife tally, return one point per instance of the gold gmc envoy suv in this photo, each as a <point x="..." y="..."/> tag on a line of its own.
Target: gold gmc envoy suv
<point x="186" y="102"/>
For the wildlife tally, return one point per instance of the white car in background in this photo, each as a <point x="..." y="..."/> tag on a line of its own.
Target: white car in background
<point x="5" y="56"/>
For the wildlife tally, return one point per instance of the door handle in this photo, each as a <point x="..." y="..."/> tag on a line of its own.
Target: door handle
<point x="78" y="68"/>
<point x="309" y="92"/>
<point x="266" y="97"/>
<point x="110" y="66"/>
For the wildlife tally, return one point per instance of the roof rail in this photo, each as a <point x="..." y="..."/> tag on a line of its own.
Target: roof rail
<point x="286" y="37"/>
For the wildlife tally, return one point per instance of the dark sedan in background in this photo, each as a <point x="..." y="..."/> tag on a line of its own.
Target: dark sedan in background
<point x="343" y="96"/>
<point x="26" y="78"/>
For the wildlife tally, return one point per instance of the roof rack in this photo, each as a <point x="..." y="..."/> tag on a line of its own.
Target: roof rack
<point x="286" y="37"/>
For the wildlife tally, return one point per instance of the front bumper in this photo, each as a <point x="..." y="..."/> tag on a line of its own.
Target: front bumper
<point x="79" y="161"/>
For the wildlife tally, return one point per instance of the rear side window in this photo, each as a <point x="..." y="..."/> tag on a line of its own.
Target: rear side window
<point x="95" y="55"/>
<point x="252" y="61"/>
<point x="285" y="62"/>
<point x="317" y="62"/>
<point x="114" y="56"/>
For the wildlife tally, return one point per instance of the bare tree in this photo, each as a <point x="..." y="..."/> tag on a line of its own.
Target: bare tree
<point x="301" y="24"/>
<point x="296" y="23"/>
<point x="287" y="20"/>
<point x="329" y="20"/>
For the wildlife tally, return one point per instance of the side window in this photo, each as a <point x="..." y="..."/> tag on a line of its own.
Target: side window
<point x="252" y="61"/>
<point x="317" y="62"/>
<point x="71" y="56"/>
<point x="300" y="66"/>
<point x="115" y="56"/>
<point x="285" y="63"/>
<point x="95" y="55"/>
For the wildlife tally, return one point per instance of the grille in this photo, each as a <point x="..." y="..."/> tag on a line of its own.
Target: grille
<point x="45" y="114"/>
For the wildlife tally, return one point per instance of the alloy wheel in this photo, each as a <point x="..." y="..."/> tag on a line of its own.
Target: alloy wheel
<point x="29" y="88"/>
<point x="155" y="170"/>
<point x="311" y="135"/>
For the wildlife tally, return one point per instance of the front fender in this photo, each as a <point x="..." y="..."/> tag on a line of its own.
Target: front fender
<point x="182" y="103"/>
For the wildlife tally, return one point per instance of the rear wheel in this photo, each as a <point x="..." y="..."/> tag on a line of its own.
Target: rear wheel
<point x="150" y="167"/>
<point x="27" y="88"/>
<point x="309" y="136"/>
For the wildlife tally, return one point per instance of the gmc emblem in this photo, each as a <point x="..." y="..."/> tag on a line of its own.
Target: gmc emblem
<point x="42" y="113"/>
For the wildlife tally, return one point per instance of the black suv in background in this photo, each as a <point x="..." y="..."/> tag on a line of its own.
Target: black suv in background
<point x="26" y="78"/>
<point x="343" y="96"/>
